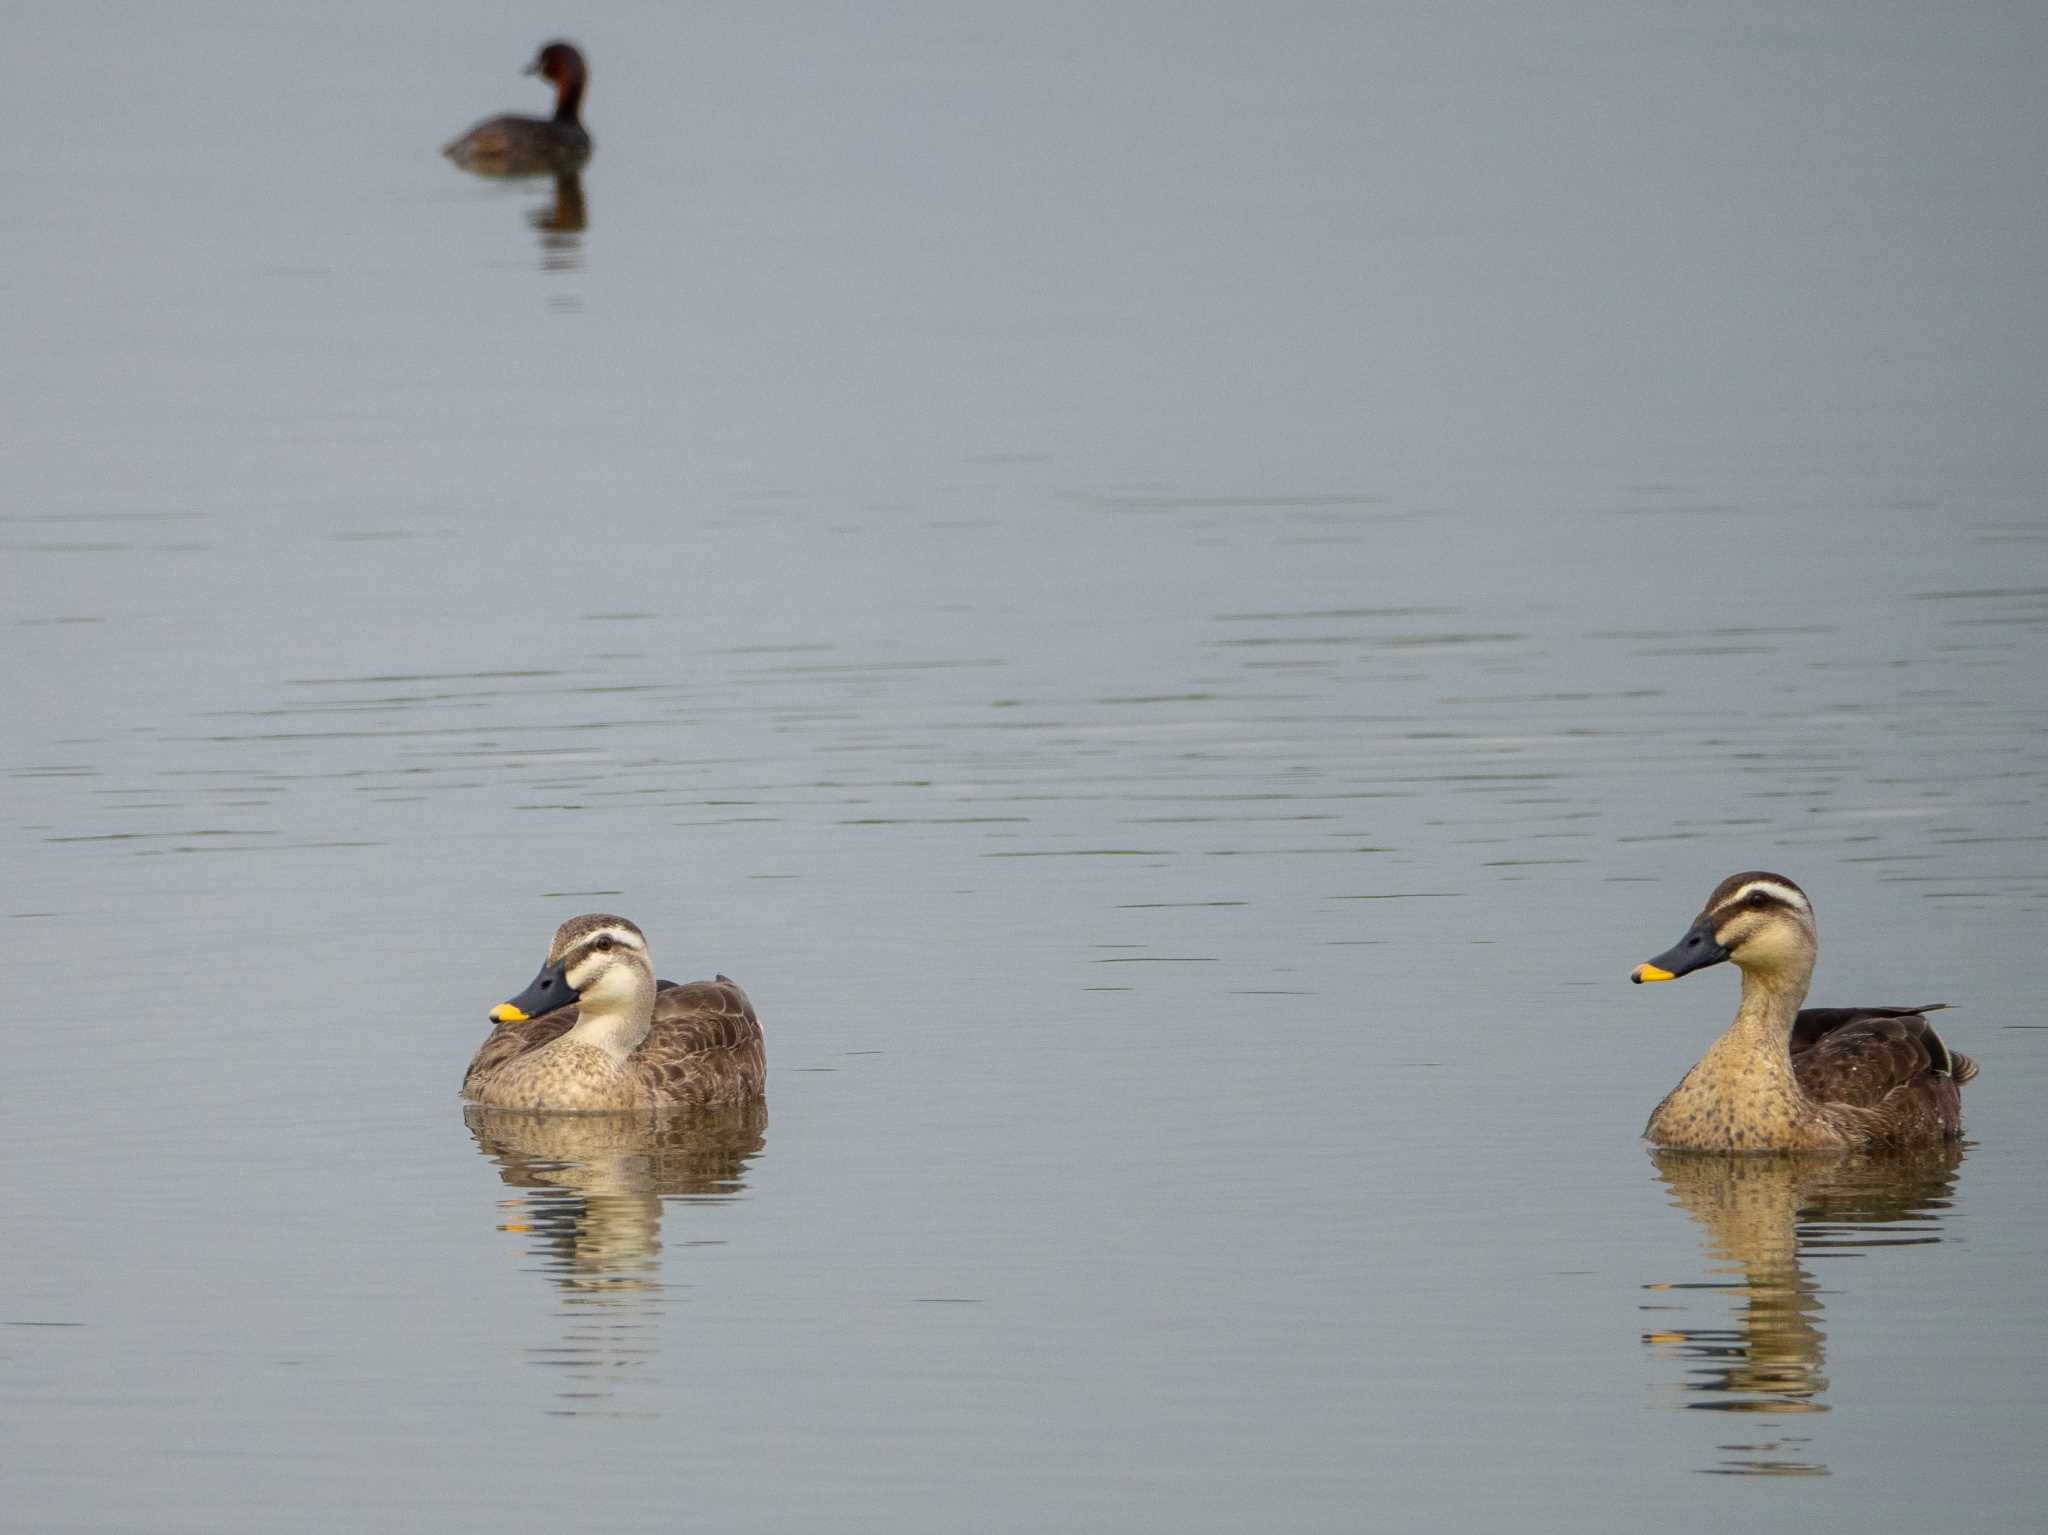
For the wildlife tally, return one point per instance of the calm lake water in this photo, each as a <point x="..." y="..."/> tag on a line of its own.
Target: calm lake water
<point x="1180" y="592"/>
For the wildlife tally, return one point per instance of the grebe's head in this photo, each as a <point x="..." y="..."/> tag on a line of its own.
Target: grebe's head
<point x="560" y="63"/>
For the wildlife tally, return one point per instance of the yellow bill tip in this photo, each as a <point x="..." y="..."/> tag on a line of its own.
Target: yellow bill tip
<point x="505" y="1012"/>
<point x="1643" y="973"/>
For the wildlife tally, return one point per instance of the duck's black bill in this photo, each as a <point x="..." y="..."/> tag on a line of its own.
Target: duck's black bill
<point x="550" y="990"/>
<point x="1695" y="951"/>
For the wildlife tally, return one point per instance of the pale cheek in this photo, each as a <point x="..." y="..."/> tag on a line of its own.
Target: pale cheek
<point x="1771" y="948"/>
<point x="606" y="983"/>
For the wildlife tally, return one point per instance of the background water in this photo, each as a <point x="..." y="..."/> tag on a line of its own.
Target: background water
<point x="1181" y="593"/>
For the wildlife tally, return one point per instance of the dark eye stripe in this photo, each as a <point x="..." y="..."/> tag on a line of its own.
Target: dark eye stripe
<point x="1756" y="898"/>
<point x="597" y="943"/>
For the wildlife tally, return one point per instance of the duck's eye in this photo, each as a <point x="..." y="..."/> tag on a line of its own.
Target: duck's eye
<point x="602" y="943"/>
<point x="1758" y="898"/>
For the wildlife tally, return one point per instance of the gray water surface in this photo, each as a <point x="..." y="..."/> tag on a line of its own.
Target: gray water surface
<point x="1180" y="594"/>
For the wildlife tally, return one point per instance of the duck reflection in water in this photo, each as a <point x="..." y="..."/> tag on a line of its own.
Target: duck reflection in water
<point x="1762" y="1216"/>
<point x="561" y="223"/>
<point x="594" y="1186"/>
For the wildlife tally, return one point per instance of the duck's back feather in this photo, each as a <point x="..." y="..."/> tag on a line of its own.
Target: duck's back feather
<point x="514" y="145"/>
<point x="704" y="1047"/>
<point x="1887" y="1062"/>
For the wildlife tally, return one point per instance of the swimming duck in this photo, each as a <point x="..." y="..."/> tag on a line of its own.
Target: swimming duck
<point x="526" y="146"/>
<point x="596" y="1030"/>
<point x="1783" y="1079"/>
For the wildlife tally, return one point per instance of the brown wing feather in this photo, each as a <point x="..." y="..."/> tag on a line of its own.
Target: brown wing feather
<point x="1856" y="1055"/>
<point x="705" y="1046"/>
<point x="1813" y="1022"/>
<point x="1886" y="1061"/>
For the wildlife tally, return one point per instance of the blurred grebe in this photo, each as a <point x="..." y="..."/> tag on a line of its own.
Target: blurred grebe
<point x="526" y="146"/>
